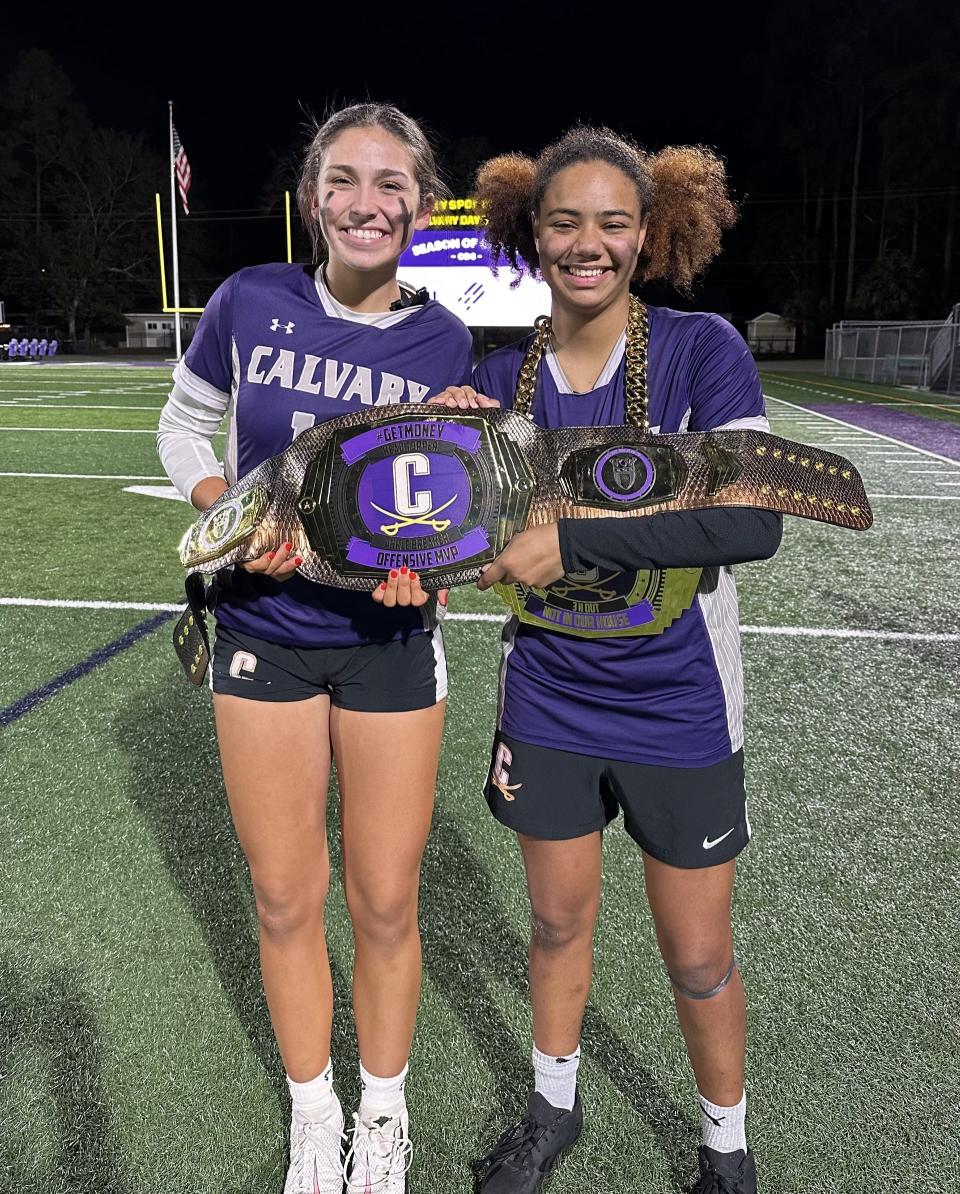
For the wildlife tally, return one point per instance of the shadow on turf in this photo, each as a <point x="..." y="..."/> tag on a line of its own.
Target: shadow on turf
<point x="47" y="1024"/>
<point x="465" y="936"/>
<point x="169" y="742"/>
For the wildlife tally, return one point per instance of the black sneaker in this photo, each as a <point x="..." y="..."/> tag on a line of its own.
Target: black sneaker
<point x="726" y="1173"/>
<point x="522" y="1159"/>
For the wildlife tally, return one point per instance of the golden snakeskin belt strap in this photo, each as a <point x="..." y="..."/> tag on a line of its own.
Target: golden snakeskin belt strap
<point x="444" y="491"/>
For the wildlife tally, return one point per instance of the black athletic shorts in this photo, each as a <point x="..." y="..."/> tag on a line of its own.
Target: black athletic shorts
<point x="683" y="816"/>
<point x="409" y="673"/>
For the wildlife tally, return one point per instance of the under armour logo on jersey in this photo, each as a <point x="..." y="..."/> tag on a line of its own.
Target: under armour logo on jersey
<point x="276" y="325"/>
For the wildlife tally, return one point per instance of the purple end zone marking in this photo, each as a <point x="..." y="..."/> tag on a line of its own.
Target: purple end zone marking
<point x="430" y="432"/>
<point x="29" y="702"/>
<point x="920" y="431"/>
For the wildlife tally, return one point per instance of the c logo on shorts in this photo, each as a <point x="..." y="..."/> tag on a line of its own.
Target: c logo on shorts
<point x="500" y="772"/>
<point x="243" y="665"/>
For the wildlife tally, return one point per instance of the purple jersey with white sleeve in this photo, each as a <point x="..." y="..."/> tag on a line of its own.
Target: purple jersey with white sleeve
<point x="280" y="353"/>
<point x="668" y="699"/>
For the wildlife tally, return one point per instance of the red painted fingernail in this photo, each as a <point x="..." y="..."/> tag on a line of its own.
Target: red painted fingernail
<point x="271" y="554"/>
<point x="287" y="546"/>
<point x="298" y="561"/>
<point x="413" y="576"/>
<point x="394" y="574"/>
<point x="384" y="585"/>
<point x="403" y="570"/>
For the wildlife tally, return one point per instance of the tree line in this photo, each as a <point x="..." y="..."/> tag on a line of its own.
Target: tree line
<point x="859" y="128"/>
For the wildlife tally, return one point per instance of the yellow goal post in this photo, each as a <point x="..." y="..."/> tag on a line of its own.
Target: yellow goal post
<point x="167" y="309"/>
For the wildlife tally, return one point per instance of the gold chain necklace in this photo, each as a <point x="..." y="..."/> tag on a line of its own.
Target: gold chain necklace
<point x="635" y="371"/>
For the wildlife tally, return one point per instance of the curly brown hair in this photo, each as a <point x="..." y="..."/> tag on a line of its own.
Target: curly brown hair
<point x="682" y="192"/>
<point x="368" y="115"/>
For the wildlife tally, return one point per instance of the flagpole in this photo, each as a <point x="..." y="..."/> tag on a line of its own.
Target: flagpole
<point x="173" y="225"/>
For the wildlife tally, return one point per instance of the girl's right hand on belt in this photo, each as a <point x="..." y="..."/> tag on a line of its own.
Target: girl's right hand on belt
<point x="278" y="565"/>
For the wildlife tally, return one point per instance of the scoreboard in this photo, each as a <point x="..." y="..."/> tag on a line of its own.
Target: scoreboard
<point x="452" y="260"/>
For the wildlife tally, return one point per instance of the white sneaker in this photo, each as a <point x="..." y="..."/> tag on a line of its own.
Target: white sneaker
<point x="379" y="1155"/>
<point x="316" y="1156"/>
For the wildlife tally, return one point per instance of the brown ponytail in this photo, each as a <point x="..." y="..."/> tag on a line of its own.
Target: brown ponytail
<point x="505" y="187"/>
<point x="691" y="208"/>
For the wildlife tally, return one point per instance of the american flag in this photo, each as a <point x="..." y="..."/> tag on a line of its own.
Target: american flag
<point x="182" y="168"/>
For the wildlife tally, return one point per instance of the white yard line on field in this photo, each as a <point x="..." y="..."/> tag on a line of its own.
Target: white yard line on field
<point x="56" y="603"/>
<point x="91" y="430"/>
<point x="34" y="403"/>
<point x="785" y="631"/>
<point x="96" y="430"/>
<point x="86" y="476"/>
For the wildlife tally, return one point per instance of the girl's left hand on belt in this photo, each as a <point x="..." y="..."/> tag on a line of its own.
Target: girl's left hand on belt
<point x="532" y="557"/>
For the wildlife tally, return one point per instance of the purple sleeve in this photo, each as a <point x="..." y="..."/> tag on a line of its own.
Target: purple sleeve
<point x="210" y="356"/>
<point x="723" y="382"/>
<point x="464" y="372"/>
<point x="496" y="378"/>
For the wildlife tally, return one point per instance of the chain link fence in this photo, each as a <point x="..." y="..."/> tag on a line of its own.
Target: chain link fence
<point x="923" y="353"/>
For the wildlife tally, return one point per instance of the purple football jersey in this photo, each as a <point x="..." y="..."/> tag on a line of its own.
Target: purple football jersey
<point x="669" y="699"/>
<point x="273" y="340"/>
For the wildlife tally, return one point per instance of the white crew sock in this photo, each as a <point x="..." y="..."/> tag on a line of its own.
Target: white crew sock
<point x="556" y="1077"/>
<point x="382" y="1096"/>
<point x="315" y="1101"/>
<point x="723" y="1127"/>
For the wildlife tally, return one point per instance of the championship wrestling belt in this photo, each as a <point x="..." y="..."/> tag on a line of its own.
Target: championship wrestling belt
<point x="444" y="491"/>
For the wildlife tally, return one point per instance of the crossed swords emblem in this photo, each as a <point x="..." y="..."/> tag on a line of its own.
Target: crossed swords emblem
<point x="506" y="790"/>
<point x="425" y="520"/>
<point x="568" y="584"/>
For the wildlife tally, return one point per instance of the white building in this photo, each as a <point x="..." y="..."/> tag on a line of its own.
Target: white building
<point x="770" y="333"/>
<point x="153" y="329"/>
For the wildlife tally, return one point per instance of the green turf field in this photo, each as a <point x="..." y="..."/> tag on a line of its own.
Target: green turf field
<point x="135" y="1051"/>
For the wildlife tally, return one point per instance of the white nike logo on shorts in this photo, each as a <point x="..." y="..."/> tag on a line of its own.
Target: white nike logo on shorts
<point x="708" y="844"/>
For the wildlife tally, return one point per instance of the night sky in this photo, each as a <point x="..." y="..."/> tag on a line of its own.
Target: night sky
<point x="240" y="86"/>
<point x="484" y="80"/>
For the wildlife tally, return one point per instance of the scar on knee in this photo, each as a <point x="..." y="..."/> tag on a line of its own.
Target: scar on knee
<point x="699" y="993"/>
<point x="552" y="935"/>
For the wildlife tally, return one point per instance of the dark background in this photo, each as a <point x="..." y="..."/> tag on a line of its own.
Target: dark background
<point x="840" y="126"/>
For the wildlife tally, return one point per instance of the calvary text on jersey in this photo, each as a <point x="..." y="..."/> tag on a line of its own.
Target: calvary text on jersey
<point x="312" y="374"/>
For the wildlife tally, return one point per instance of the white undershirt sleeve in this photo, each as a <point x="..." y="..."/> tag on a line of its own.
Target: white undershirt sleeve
<point x="188" y="423"/>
